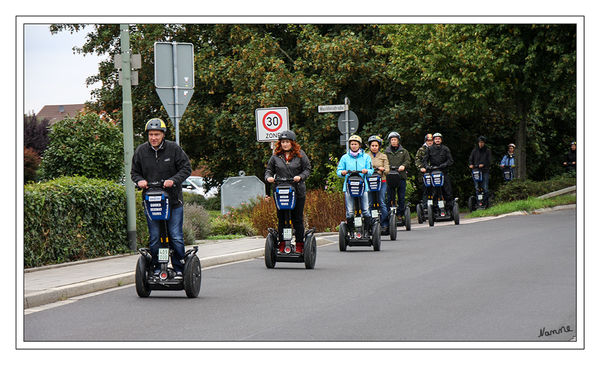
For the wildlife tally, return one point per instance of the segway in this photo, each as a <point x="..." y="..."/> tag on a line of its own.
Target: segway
<point x="437" y="207"/>
<point x="285" y="200"/>
<point x="422" y="211"/>
<point x="158" y="208"/>
<point x="477" y="202"/>
<point x="508" y="173"/>
<point x="393" y="180"/>
<point x="354" y="232"/>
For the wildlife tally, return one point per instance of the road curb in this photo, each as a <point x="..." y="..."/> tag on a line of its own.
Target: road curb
<point x="57" y="294"/>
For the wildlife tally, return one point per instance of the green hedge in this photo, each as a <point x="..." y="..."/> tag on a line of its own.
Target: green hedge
<point x="73" y="218"/>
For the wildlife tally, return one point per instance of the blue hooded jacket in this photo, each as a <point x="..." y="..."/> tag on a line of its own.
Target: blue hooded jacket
<point x="348" y="163"/>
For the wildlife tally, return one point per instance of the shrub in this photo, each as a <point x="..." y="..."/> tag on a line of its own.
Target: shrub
<point x="197" y="199"/>
<point x="264" y="215"/>
<point x="224" y="226"/>
<point x="213" y="203"/>
<point x="31" y="161"/>
<point x="86" y="146"/>
<point x="523" y="189"/>
<point x="197" y="221"/>
<point x="334" y="182"/>
<point x="324" y="210"/>
<point x="73" y="218"/>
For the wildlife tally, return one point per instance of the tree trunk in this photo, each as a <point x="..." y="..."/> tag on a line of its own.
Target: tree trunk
<point x="521" y="153"/>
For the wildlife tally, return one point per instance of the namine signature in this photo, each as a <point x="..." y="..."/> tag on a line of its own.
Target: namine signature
<point x="550" y="332"/>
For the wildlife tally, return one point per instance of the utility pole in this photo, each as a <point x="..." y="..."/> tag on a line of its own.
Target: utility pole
<point x="128" y="135"/>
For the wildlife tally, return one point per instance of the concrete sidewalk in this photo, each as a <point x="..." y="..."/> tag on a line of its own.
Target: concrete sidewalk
<point x="53" y="283"/>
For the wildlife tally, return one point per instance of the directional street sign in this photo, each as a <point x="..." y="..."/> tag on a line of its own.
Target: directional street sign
<point x="270" y="122"/>
<point x="352" y="122"/>
<point x="174" y="78"/>
<point x="333" y="108"/>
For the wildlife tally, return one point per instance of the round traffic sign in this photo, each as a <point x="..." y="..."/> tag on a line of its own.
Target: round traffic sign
<point x="272" y="121"/>
<point x="352" y="122"/>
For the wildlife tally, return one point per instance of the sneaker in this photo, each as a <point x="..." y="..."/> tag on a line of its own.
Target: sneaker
<point x="157" y="273"/>
<point x="178" y="275"/>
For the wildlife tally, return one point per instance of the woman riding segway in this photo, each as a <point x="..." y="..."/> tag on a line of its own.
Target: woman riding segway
<point x="381" y="166"/>
<point x="290" y="164"/>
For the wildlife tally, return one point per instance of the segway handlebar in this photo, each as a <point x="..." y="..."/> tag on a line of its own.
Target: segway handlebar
<point x="158" y="184"/>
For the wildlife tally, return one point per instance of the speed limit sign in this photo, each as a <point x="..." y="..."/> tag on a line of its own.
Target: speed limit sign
<point x="270" y="122"/>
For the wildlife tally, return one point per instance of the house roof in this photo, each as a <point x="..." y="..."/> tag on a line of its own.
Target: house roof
<point x="54" y="113"/>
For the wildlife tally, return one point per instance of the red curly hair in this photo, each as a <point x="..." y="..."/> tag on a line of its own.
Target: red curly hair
<point x="295" y="151"/>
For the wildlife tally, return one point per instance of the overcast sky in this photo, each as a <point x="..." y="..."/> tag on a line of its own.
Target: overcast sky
<point x="52" y="73"/>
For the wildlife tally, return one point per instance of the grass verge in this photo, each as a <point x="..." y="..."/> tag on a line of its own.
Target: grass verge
<point x="226" y="237"/>
<point x="527" y="205"/>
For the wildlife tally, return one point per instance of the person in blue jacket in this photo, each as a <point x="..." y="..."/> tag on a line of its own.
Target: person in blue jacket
<point x="508" y="163"/>
<point x="356" y="160"/>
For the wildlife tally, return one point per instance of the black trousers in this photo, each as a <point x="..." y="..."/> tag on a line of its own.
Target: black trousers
<point x="297" y="219"/>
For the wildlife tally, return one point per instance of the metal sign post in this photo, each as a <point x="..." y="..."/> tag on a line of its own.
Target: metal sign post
<point x="347" y="122"/>
<point x="128" y="136"/>
<point x="174" y="78"/>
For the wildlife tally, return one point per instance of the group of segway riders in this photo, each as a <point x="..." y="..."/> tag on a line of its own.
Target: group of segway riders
<point x="374" y="191"/>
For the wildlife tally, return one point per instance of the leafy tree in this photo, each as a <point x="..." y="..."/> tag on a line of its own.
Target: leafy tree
<point x="512" y="83"/>
<point x="31" y="162"/>
<point x="86" y="145"/>
<point x="35" y="133"/>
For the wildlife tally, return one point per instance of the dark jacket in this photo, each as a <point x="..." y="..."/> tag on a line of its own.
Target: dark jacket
<point x="438" y="157"/>
<point x="398" y="158"/>
<point x="297" y="166"/>
<point x="481" y="156"/>
<point x="169" y="162"/>
<point x="571" y="157"/>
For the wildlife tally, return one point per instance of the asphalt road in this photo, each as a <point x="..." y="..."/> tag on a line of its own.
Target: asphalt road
<point x="509" y="279"/>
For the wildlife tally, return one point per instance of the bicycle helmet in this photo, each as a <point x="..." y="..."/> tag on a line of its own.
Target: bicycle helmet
<point x="394" y="134"/>
<point x="482" y="139"/>
<point x="287" y="135"/>
<point x="574" y="143"/>
<point x="156" y="124"/>
<point x="354" y="137"/>
<point x="428" y="137"/>
<point x="437" y="135"/>
<point x="512" y="145"/>
<point x="375" y="138"/>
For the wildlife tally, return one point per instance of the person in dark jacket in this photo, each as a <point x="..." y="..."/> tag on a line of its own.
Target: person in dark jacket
<point x="438" y="157"/>
<point x="399" y="159"/>
<point x="289" y="161"/>
<point x="161" y="160"/>
<point x="481" y="158"/>
<point x="571" y="157"/>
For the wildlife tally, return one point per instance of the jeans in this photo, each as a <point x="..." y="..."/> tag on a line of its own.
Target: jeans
<point x="297" y="217"/>
<point x="400" y="191"/>
<point x="364" y="205"/>
<point x="382" y="204"/>
<point x="484" y="185"/>
<point x="175" y="224"/>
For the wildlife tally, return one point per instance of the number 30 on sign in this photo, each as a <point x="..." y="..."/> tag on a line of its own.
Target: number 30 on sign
<point x="270" y="122"/>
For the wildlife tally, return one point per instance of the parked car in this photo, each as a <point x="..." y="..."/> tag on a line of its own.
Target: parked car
<point x="195" y="185"/>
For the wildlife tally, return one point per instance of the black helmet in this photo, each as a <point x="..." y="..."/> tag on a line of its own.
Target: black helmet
<point x="156" y="124"/>
<point x="482" y="139"/>
<point x="287" y="135"/>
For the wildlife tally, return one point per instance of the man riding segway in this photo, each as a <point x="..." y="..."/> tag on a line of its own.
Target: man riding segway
<point x="163" y="160"/>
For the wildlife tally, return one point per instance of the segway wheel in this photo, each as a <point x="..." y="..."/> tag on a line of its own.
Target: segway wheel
<point x="393" y="228"/>
<point x="456" y="213"/>
<point x="376" y="238"/>
<point x="343" y="236"/>
<point x="310" y="252"/>
<point x="192" y="276"/>
<point x="419" y="213"/>
<point x="472" y="203"/>
<point x="270" y="254"/>
<point x="407" y="217"/>
<point x="141" y="278"/>
<point x="430" y="215"/>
